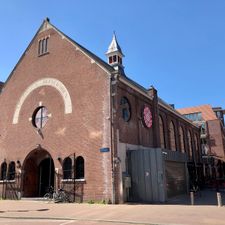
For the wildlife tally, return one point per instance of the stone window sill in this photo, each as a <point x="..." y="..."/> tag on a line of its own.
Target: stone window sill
<point x="72" y="180"/>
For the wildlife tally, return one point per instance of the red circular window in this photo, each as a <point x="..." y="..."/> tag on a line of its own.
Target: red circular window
<point x="147" y="117"/>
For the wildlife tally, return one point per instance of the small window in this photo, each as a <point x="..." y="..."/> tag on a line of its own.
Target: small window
<point x="114" y="58"/>
<point x="110" y="59"/>
<point x="79" y="167"/>
<point x="46" y="45"/>
<point x="39" y="47"/>
<point x="67" y="168"/>
<point x="3" y="171"/>
<point x="120" y="60"/>
<point x="12" y="173"/>
<point x="125" y="108"/>
<point x="43" y="46"/>
<point x="40" y="117"/>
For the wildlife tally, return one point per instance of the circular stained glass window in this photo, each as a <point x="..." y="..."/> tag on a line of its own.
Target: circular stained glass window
<point x="40" y="117"/>
<point x="147" y="116"/>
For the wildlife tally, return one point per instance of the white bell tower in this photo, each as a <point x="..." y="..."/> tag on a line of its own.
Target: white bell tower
<point x="115" y="55"/>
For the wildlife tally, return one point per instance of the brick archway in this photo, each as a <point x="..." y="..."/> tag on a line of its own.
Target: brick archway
<point x="38" y="173"/>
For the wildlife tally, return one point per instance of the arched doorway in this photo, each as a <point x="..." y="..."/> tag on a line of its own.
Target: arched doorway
<point x="38" y="173"/>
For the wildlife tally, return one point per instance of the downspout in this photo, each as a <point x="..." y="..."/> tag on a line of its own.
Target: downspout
<point x="113" y="94"/>
<point x="112" y="138"/>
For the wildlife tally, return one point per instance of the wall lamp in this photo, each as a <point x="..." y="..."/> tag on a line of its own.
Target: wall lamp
<point x="59" y="159"/>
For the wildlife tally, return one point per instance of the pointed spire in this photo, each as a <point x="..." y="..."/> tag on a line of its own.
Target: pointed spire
<point x="115" y="54"/>
<point x="114" y="46"/>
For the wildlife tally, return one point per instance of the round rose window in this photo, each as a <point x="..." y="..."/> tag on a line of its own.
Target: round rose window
<point x="40" y="117"/>
<point x="147" y="117"/>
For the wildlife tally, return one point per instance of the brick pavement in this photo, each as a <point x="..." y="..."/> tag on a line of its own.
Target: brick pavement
<point x="177" y="211"/>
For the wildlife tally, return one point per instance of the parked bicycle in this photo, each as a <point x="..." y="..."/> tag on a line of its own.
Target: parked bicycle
<point x="60" y="196"/>
<point x="57" y="196"/>
<point x="49" y="195"/>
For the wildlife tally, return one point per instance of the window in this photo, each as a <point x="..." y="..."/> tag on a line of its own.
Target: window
<point x="67" y="168"/>
<point x="203" y="130"/>
<point x="114" y="58"/>
<point x="172" y="137"/>
<point x="181" y="130"/>
<point x="197" y="147"/>
<point x="12" y="173"/>
<point x="125" y="108"/>
<point x="40" y="117"/>
<point x="190" y="144"/>
<point x="43" y="46"/>
<point x="162" y="133"/>
<point x="3" y="171"/>
<point x="79" y="167"/>
<point x="194" y="116"/>
<point x="110" y="59"/>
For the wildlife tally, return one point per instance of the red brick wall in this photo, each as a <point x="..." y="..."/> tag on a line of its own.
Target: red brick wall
<point x="179" y="122"/>
<point x="84" y="131"/>
<point x="215" y="137"/>
<point x="133" y="131"/>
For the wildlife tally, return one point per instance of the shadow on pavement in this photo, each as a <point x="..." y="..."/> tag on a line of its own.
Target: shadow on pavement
<point x="203" y="197"/>
<point x="24" y="210"/>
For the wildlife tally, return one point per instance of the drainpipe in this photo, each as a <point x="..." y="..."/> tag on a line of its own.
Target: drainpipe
<point x="113" y="87"/>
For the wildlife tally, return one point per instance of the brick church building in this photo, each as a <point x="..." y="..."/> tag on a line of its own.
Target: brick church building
<point x="70" y="120"/>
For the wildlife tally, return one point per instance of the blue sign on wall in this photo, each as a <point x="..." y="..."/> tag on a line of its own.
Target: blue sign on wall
<point x="104" y="149"/>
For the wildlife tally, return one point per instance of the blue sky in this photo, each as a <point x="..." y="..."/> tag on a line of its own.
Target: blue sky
<point x="178" y="46"/>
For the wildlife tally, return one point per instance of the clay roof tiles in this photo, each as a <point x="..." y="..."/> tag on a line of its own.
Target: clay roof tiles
<point x="206" y="110"/>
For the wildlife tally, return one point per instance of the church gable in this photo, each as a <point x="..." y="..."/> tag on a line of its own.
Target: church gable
<point x="53" y="61"/>
<point x="42" y="43"/>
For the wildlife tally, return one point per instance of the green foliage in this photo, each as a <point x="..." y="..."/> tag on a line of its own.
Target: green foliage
<point x="103" y="201"/>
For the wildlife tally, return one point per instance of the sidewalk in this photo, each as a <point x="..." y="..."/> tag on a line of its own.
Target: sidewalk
<point x="174" y="212"/>
<point x="205" y="197"/>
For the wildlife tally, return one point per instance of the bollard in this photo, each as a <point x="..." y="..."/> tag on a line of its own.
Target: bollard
<point x="192" y="198"/>
<point x="219" y="199"/>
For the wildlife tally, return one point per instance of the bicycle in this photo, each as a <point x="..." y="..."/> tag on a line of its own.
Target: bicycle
<point x="56" y="196"/>
<point x="49" y="195"/>
<point x="60" y="196"/>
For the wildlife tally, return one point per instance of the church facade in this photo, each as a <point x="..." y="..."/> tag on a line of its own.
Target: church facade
<point x="72" y="121"/>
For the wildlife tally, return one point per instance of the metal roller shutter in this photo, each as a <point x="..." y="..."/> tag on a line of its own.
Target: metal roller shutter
<point x="176" y="182"/>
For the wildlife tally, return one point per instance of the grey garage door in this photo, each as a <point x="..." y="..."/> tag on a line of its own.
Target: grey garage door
<point x="147" y="177"/>
<point x="175" y="178"/>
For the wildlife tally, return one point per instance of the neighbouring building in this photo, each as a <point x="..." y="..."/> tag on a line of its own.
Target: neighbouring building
<point x="72" y="121"/>
<point x="211" y="121"/>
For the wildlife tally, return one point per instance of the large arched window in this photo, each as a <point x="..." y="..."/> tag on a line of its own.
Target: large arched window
<point x="172" y="137"/>
<point x="196" y="147"/>
<point x="79" y="167"/>
<point x="181" y="131"/>
<point x="190" y="144"/>
<point x="162" y="133"/>
<point x="67" y="168"/>
<point x="12" y="172"/>
<point x="3" y="171"/>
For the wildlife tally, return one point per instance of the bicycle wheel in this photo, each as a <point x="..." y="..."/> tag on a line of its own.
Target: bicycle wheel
<point x="56" y="198"/>
<point x="47" y="197"/>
